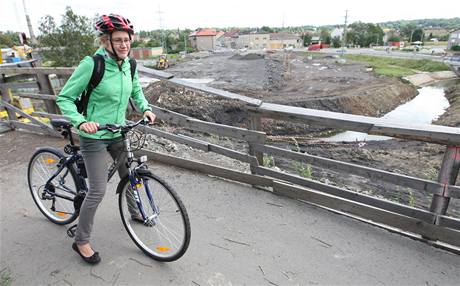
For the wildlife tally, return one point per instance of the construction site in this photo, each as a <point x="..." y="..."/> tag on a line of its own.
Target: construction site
<point x="316" y="81"/>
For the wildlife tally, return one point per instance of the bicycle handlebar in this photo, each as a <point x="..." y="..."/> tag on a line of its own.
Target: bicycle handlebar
<point x="123" y="128"/>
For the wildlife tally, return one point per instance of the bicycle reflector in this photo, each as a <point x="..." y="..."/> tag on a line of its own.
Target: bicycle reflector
<point x="50" y="161"/>
<point x="163" y="248"/>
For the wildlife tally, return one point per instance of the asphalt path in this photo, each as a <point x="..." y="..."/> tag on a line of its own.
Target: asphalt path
<point x="240" y="236"/>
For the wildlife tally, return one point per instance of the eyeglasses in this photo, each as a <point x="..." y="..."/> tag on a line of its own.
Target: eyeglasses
<point x="119" y="41"/>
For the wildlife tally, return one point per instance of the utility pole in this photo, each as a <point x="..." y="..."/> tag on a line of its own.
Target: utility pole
<point x="163" y="42"/>
<point x="344" y="33"/>
<point x="185" y="43"/>
<point x="33" y="40"/>
<point x="283" y="22"/>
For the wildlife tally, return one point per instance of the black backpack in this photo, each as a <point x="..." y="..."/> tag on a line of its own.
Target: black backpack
<point x="98" y="73"/>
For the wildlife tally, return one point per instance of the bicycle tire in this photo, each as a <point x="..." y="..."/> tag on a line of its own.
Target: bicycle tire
<point x="41" y="166"/>
<point x="153" y="240"/>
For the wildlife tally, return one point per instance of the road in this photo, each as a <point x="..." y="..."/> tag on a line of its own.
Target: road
<point x="240" y="235"/>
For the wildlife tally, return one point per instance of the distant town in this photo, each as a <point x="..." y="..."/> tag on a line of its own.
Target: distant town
<point x="430" y="36"/>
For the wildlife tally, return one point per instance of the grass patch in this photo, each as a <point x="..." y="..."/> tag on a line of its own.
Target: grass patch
<point x="398" y="67"/>
<point x="5" y="277"/>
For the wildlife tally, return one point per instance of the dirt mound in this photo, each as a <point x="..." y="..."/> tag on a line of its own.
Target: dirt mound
<point x="247" y="57"/>
<point x="452" y="115"/>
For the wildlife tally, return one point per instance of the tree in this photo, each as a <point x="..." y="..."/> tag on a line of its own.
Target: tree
<point x="266" y="29"/>
<point x="325" y="36"/>
<point x="336" y="42"/>
<point x="306" y="39"/>
<point x="417" y="35"/>
<point x="9" y="39"/>
<point x="407" y="31"/>
<point x="394" y="39"/>
<point x="364" y="34"/>
<point x="67" y="44"/>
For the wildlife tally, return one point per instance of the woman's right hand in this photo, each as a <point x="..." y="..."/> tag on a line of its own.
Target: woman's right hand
<point x="89" y="127"/>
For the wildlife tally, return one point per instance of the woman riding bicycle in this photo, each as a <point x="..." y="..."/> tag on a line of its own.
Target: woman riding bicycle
<point x="107" y="105"/>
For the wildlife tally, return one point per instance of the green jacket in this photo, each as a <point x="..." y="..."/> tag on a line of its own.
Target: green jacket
<point x="108" y="101"/>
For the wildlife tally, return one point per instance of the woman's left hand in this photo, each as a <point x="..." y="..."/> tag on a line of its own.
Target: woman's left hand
<point x="150" y="115"/>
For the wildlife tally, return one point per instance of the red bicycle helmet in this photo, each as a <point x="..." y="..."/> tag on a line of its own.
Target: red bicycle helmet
<point x="106" y="24"/>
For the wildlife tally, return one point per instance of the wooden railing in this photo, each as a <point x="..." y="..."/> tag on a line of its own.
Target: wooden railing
<point x="432" y="224"/>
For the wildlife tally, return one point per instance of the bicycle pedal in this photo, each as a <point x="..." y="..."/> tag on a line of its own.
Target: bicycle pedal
<point x="71" y="231"/>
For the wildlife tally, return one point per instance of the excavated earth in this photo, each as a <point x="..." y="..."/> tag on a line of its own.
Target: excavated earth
<point x="319" y="82"/>
<point x="296" y="79"/>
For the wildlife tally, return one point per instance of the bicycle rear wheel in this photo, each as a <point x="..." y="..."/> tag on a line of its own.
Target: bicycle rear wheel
<point x="163" y="233"/>
<point x="43" y="164"/>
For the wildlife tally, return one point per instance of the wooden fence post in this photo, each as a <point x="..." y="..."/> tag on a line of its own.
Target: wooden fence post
<point x="6" y="97"/>
<point x="447" y="176"/>
<point x="45" y="87"/>
<point x="255" y="124"/>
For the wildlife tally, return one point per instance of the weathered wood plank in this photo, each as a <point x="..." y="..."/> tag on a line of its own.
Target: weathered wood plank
<point x="208" y="127"/>
<point x="42" y="125"/>
<point x="16" y="77"/>
<point x="27" y="63"/>
<point x="195" y="143"/>
<point x="375" y="214"/>
<point x="45" y="87"/>
<point x="214" y="91"/>
<point x="36" y="70"/>
<point x="6" y="98"/>
<point x="49" y="115"/>
<point x="36" y="96"/>
<point x="18" y="85"/>
<point x="370" y="125"/>
<point x="349" y="195"/>
<point x="232" y="154"/>
<point x="34" y="128"/>
<point x="199" y="144"/>
<point x="449" y="222"/>
<point x="428" y="133"/>
<point x="208" y="169"/>
<point x="154" y="73"/>
<point x="256" y="125"/>
<point x="367" y="172"/>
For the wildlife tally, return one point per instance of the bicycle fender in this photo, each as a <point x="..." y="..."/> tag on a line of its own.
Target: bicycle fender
<point x="141" y="172"/>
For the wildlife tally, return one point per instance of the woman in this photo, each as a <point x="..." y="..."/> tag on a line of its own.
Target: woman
<point x="107" y="104"/>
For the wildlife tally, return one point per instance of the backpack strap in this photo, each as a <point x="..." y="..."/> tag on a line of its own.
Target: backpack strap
<point x="133" y="65"/>
<point x="96" y="77"/>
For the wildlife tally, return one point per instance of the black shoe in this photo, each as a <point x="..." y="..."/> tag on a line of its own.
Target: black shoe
<point x="93" y="259"/>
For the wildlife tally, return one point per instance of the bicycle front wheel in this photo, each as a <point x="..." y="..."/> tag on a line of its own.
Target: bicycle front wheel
<point x="56" y="200"/>
<point x="154" y="217"/>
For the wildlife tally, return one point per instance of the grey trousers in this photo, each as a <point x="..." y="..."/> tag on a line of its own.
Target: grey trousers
<point x="94" y="154"/>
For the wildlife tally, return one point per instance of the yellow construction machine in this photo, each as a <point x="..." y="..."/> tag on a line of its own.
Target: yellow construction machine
<point x="162" y="63"/>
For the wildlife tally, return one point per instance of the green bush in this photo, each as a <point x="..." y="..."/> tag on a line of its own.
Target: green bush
<point x="455" y="48"/>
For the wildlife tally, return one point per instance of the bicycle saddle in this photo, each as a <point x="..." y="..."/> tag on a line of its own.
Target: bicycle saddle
<point x="61" y="123"/>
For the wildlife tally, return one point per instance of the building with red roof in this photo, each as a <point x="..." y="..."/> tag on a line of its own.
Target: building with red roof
<point x="203" y="39"/>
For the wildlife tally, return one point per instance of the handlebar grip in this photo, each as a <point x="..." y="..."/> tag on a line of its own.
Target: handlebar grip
<point x="102" y="127"/>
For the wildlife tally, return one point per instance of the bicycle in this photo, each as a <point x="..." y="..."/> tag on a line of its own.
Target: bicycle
<point x="58" y="186"/>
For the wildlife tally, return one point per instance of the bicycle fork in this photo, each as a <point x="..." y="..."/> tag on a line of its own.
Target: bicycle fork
<point x="136" y="185"/>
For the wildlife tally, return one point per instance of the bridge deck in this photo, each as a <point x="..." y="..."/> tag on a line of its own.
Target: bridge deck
<point x="240" y="235"/>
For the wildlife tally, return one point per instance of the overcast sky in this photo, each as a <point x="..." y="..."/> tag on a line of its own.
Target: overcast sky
<point x="230" y="13"/>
